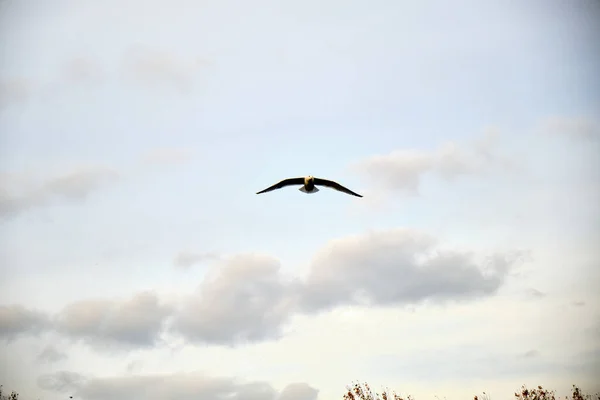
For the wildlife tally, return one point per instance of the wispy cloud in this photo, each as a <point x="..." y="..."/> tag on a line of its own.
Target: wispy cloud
<point x="155" y="68"/>
<point x="51" y="355"/>
<point x="82" y="70"/>
<point x="576" y="128"/>
<point x="402" y="170"/>
<point x="184" y="386"/>
<point x="168" y="156"/>
<point x="185" y="259"/>
<point x="14" y="91"/>
<point x="19" y="192"/>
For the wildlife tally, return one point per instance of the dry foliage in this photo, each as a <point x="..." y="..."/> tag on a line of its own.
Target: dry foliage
<point x="12" y="396"/>
<point x="364" y="392"/>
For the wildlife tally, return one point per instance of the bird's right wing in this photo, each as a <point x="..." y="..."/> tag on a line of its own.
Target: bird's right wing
<point x="336" y="186"/>
<point x="285" y="182"/>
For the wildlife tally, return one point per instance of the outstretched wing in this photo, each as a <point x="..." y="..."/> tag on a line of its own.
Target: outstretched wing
<point x="336" y="186"/>
<point x="285" y="182"/>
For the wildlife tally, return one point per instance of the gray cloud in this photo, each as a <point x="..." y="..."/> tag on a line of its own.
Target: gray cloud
<point x="82" y="70"/>
<point x="402" y="170"/>
<point x="578" y="128"/>
<point x="186" y="259"/>
<point x="246" y="299"/>
<point x="180" y="386"/>
<point x="51" y="355"/>
<point x="19" y="192"/>
<point x="14" y="91"/>
<point x="399" y="266"/>
<point x="134" y="366"/>
<point x="586" y="364"/>
<point x="139" y="66"/>
<point x="136" y="322"/>
<point x="167" y="156"/>
<point x="298" y="391"/>
<point x="536" y="293"/>
<point x="16" y="320"/>
<point x="530" y="354"/>
<point x="62" y="381"/>
<point x="116" y="325"/>
<point x="151" y="67"/>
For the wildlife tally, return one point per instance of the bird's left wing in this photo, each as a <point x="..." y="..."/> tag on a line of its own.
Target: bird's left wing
<point x="285" y="182"/>
<point x="336" y="186"/>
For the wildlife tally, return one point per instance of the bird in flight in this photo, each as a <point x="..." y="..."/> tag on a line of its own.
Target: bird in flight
<point x="309" y="185"/>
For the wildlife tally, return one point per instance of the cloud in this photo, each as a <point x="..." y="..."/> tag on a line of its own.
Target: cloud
<point x="536" y="293"/>
<point x="167" y="156"/>
<point x="245" y="299"/>
<point x="530" y="354"/>
<point x="14" y="90"/>
<point x="134" y="366"/>
<point x="298" y="391"/>
<point x="136" y="322"/>
<point x="249" y="299"/>
<point x="139" y="66"/>
<point x="82" y="70"/>
<point x="186" y="259"/>
<point x="51" y="355"/>
<point x="181" y="386"/>
<point x="151" y="67"/>
<point x="577" y="128"/>
<point x="16" y="320"/>
<point x="62" y="381"/>
<point x="400" y="267"/>
<point x="19" y="192"/>
<point x="402" y="170"/>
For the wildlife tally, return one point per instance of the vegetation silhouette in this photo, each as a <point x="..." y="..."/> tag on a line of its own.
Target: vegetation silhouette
<point x="363" y="391"/>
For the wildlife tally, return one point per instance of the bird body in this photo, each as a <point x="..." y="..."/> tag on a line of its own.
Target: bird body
<point x="309" y="185"/>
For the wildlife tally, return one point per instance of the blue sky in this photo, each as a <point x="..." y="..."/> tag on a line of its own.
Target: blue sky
<point x="137" y="133"/>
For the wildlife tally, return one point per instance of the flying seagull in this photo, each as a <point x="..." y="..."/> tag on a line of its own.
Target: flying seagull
<point x="309" y="185"/>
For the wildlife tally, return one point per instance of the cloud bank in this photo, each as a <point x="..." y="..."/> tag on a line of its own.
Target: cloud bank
<point x="247" y="298"/>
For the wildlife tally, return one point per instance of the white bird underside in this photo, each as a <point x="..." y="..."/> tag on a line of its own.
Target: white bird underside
<point x="303" y="189"/>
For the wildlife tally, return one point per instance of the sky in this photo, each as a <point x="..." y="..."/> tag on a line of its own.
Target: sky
<point x="137" y="261"/>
